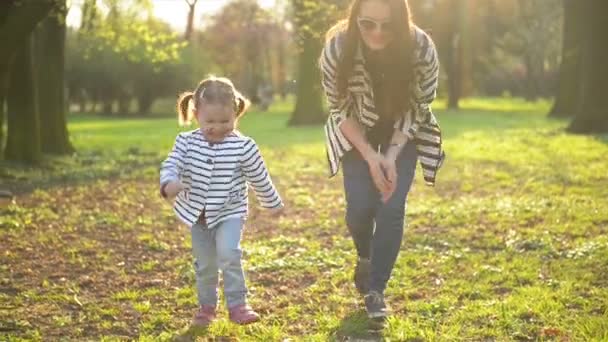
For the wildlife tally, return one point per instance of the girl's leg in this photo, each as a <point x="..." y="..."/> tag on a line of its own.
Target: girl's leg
<point x="229" y="253"/>
<point x="205" y="264"/>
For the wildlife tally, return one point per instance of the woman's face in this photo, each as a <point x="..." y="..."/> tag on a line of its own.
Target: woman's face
<point x="375" y="26"/>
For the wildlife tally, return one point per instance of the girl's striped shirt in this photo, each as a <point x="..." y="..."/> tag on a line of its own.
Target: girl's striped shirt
<point x="216" y="175"/>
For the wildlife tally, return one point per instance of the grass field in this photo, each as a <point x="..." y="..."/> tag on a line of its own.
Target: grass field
<point x="510" y="245"/>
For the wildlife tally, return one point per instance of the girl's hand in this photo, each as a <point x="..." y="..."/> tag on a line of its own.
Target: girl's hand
<point x="277" y="211"/>
<point x="173" y="188"/>
<point x="375" y="163"/>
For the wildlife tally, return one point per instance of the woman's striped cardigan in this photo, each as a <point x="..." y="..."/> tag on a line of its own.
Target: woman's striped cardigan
<point x="418" y="123"/>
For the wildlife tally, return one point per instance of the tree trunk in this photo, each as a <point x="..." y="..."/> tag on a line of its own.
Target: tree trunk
<point x="4" y="7"/>
<point x="144" y="103"/>
<point x="23" y="139"/>
<point x="451" y="23"/>
<point x="282" y="68"/>
<point x="309" y="102"/>
<point x="592" y="112"/>
<point x="82" y="104"/>
<point x="190" y="22"/>
<point x="124" y="102"/>
<point x="453" y="71"/>
<point x="3" y="83"/>
<point x="532" y="76"/>
<point x="567" y="95"/>
<point x="50" y="62"/>
<point x="89" y="15"/>
<point x="107" y="107"/>
<point x="17" y="21"/>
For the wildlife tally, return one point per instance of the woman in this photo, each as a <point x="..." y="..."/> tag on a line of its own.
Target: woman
<point x="380" y="76"/>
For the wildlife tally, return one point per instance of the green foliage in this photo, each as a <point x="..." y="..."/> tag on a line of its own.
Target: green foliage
<point x="246" y="41"/>
<point x="125" y="54"/>
<point x="312" y="19"/>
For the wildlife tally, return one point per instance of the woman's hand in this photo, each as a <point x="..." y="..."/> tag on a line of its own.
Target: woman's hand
<point x="389" y="162"/>
<point x="375" y="162"/>
<point x="390" y="170"/>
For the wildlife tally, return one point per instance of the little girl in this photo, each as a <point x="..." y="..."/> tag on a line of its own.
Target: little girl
<point x="207" y="173"/>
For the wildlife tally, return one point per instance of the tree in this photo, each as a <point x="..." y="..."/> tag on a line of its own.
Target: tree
<point x="49" y="59"/>
<point x="17" y="21"/>
<point x="280" y="48"/>
<point x="536" y="27"/>
<point x="23" y="140"/>
<point x="89" y="16"/>
<point x="251" y="31"/>
<point x="592" y="115"/>
<point x="122" y="55"/>
<point x="4" y="7"/>
<point x="190" y="22"/>
<point x="566" y="98"/>
<point x="311" y="20"/>
<point x="451" y="32"/>
<point x="528" y="32"/>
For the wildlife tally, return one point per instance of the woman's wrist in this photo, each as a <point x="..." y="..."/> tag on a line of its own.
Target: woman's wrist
<point x="393" y="150"/>
<point x="368" y="153"/>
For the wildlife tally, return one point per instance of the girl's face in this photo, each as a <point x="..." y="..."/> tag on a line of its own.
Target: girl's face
<point x="216" y="121"/>
<point x="375" y="26"/>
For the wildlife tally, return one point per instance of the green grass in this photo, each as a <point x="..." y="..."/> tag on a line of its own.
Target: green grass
<point x="510" y="245"/>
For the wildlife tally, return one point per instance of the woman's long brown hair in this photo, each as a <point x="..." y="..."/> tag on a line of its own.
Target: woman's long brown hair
<point x="400" y="52"/>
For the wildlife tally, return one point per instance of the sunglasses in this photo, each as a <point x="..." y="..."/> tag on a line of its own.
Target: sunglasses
<point x="369" y="25"/>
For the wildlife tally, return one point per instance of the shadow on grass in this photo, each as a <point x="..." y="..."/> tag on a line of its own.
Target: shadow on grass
<point x="192" y="334"/>
<point x="89" y="166"/>
<point x="357" y="327"/>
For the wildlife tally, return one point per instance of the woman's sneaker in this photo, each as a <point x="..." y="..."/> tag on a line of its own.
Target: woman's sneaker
<point x="204" y="316"/>
<point x="375" y="306"/>
<point x="243" y="314"/>
<point x="362" y="275"/>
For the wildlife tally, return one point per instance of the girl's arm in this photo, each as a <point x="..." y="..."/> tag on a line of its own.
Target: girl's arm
<point x="257" y="176"/>
<point x="172" y="168"/>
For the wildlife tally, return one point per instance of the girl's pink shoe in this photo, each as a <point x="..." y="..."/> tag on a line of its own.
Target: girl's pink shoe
<point x="243" y="314"/>
<point x="204" y="316"/>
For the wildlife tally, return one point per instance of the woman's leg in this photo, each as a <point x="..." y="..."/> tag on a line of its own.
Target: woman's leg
<point x="361" y="202"/>
<point x="390" y="219"/>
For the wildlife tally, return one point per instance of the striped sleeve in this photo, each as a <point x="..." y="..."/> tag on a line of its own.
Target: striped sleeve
<point x="426" y="76"/>
<point x="172" y="167"/>
<point x="339" y="108"/>
<point x="329" y="64"/>
<point x="257" y="176"/>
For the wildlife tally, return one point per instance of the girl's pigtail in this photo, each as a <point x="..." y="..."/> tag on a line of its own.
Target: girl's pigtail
<point x="184" y="114"/>
<point x="242" y="104"/>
